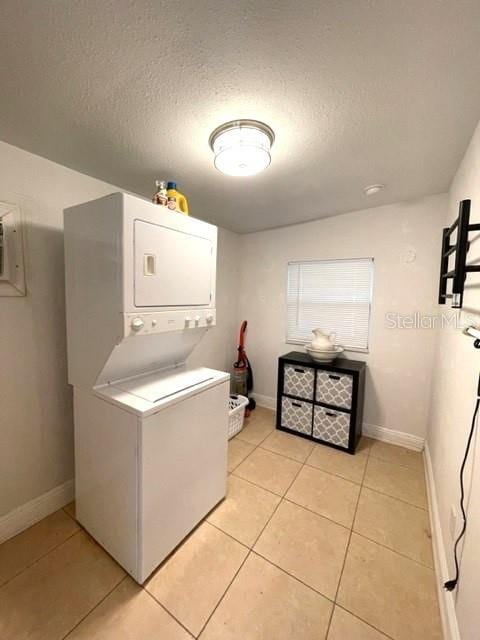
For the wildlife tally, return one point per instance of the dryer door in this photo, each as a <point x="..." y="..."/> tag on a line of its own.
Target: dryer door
<point x="172" y="268"/>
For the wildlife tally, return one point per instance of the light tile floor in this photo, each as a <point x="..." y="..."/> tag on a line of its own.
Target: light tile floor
<point x="310" y="544"/>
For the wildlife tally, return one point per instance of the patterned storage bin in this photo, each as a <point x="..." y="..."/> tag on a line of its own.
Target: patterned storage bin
<point x="335" y="389"/>
<point x="297" y="415"/>
<point x="331" y="426"/>
<point x="298" y="381"/>
<point x="322" y="401"/>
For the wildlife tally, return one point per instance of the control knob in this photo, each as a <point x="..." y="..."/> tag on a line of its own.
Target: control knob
<point x="137" y="324"/>
<point x="209" y="318"/>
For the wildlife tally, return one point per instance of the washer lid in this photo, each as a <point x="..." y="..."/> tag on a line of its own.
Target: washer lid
<point x="154" y="387"/>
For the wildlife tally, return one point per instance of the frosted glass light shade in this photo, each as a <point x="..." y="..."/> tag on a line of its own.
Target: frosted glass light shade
<point x="242" y="147"/>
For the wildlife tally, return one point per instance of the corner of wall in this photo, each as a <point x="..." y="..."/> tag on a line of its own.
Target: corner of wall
<point x="445" y="598"/>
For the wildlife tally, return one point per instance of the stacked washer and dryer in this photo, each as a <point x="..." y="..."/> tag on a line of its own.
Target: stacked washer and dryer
<point x="150" y="433"/>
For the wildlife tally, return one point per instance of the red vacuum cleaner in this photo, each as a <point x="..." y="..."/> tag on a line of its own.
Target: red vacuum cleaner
<point x="242" y="371"/>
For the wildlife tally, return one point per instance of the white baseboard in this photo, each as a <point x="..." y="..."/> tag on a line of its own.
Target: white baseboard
<point x="265" y="401"/>
<point x="23" y="517"/>
<point x="445" y="598"/>
<point x="399" y="438"/>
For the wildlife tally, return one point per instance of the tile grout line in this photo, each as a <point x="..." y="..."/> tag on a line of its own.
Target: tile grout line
<point x="397" y="464"/>
<point x="373" y="541"/>
<point x="278" y="495"/>
<point x="250" y="551"/>
<point x="290" y="500"/>
<point x="346" y="549"/>
<point x="227" y="534"/>
<point x="337" y="475"/>
<point x="254" y="484"/>
<point x="160" y="604"/>
<point x="367" y="454"/>
<point x="246" y="557"/>
<point x="315" y="513"/>
<point x="252" y="443"/>
<point x="360" y="484"/>
<point x="230" y="471"/>
<point x="95" y="606"/>
<point x="224" y="594"/>
<point x="146" y="590"/>
<point x="291" y="575"/>
<point x="319" y="515"/>
<point x="389" y="495"/>
<point x="257" y="553"/>
<point x="296" y="578"/>
<point x="3" y="584"/>
<point x="284" y="455"/>
<point x="363" y="485"/>
<point x="303" y="464"/>
<point x="398" y="553"/>
<point x="406" y="466"/>
<point x="283" y="498"/>
<point x="364" y="621"/>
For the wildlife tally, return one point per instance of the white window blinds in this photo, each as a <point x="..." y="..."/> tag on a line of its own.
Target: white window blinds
<point x="332" y="295"/>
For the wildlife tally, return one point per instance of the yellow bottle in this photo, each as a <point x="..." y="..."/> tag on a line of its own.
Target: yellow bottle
<point x="176" y="200"/>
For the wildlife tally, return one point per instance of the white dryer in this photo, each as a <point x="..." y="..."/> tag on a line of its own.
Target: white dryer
<point x="150" y="434"/>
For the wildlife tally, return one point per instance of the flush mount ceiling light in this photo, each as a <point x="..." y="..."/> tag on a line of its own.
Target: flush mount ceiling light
<point x="372" y="189"/>
<point x="242" y="147"/>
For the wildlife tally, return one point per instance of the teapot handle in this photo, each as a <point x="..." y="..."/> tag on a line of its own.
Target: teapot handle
<point x="332" y="336"/>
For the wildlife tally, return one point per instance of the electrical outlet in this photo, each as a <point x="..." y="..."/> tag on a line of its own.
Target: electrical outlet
<point x="452" y="525"/>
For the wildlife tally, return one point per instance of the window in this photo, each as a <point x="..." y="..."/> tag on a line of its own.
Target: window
<point x="332" y="295"/>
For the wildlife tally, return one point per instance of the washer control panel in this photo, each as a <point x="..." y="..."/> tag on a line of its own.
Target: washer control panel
<point x="160" y="322"/>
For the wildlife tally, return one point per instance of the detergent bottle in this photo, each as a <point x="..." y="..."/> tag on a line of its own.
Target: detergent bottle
<point x="176" y="200"/>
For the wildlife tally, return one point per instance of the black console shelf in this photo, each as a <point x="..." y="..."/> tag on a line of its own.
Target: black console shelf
<point x="321" y="402"/>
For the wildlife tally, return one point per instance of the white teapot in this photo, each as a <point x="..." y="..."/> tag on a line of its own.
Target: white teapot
<point x="323" y="341"/>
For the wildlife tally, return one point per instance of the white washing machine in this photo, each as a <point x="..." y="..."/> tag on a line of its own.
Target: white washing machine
<point x="150" y="434"/>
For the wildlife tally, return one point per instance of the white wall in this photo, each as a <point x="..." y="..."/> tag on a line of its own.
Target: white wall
<point x="399" y="361"/>
<point x="36" y="443"/>
<point x="456" y="375"/>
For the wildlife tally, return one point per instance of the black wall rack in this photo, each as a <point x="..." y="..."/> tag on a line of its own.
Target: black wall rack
<point x="459" y="250"/>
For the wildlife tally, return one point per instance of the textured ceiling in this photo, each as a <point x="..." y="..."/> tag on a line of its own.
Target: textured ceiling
<point x="358" y="92"/>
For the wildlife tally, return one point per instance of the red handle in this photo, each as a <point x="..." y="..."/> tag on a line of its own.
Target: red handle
<point x="243" y="331"/>
<point x="242" y="360"/>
